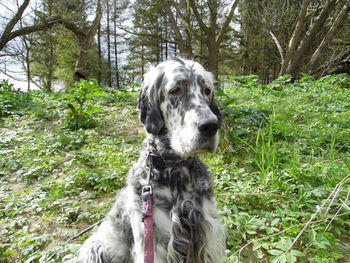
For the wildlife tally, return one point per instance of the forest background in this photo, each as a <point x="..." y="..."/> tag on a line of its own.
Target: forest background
<point x="282" y="169"/>
<point x="57" y="42"/>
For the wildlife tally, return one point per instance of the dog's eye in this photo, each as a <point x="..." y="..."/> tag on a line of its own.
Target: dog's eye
<point x="175" y="91"/>
<point x="207" y="91"/>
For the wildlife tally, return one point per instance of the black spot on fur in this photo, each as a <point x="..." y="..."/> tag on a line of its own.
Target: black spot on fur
<point x="150" y="114"/>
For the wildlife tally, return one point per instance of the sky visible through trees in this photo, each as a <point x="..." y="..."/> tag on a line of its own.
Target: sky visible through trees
<point x="51" y="44"/>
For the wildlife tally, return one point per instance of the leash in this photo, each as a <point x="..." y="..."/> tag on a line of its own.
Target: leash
<point x="157" y="162"/>
<point x="148" y="223"/>
<point x="147" y="211"/>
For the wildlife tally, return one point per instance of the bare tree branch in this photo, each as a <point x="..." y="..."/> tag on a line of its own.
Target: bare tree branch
<point x="202" y="25"/>
<point x="10" y="25"/>
<point x="280" y="50"/>
<point x="227" y="22"/>
<point x="186" y="23"/>
<point x="146" y="35"/>
<point x="336" y="25"/>
<point x="176" y="29"/>
<point x="30" y="29"/>
<point x="295" y="39"/>
<point x="309" y="36"/>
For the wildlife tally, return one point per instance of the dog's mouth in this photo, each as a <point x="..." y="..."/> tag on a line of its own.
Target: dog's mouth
<point x="206" y="144"/>
<point x="201" y="144"/>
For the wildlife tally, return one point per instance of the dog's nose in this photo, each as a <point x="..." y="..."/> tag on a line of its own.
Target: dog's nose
<point x="208" y="127"/>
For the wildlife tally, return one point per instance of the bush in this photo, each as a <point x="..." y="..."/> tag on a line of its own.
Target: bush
<point x="12" y="101"/>
<point x="80" y="107"/>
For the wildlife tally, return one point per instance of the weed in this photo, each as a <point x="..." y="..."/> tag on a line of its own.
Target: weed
<point x="12" y="101"/>
<point x="280" y="173"/>
<point x="80" y="113"/>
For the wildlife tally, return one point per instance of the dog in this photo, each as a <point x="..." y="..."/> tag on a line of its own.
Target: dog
<point x="181" y="119"/>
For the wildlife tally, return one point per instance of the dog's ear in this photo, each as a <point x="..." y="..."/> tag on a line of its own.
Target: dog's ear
<point x="216" y="111"/>
<point x="150" y="114"/>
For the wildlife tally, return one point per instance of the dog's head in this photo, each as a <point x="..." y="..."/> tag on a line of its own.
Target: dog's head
<point x="177" y="96"/>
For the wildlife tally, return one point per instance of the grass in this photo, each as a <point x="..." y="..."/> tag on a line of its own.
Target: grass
<point x="281" y="173"/>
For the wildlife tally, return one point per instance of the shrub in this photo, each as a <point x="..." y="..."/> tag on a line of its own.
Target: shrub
<point x="81" y="110"/>
<point x="12" y="101"/>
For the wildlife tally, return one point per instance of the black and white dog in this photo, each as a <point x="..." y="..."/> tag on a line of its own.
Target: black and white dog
<point x="181" y="119"/>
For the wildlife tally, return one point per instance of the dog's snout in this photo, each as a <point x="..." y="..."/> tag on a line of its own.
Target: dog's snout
<point x="208" y="127"/>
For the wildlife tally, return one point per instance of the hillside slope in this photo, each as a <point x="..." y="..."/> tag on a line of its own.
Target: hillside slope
<point x="281" y="174"/>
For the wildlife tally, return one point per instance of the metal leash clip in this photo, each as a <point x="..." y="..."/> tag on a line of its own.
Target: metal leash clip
<point x="146" y="201"/>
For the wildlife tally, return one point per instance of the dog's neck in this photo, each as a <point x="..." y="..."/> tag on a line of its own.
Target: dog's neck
<point x="160" y="145"/>
<point x="177" y="179"/>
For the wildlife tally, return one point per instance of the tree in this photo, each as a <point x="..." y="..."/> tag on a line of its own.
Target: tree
<point x="108" y="34"/>
<point x="261" y="22"/>
<point x="335" y="26"/>
<point x="85" y="37"/>
<point x="147" y="44"/>
<point x="11" y="33"/>
<point x="310" y="44"/>
<point x="213" y="32"/>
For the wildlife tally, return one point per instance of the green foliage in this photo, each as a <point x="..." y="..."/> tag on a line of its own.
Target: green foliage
<point x="284" y="149"/>
<point x="12" y="101"/>
<point x="54" y="181"/>
<point x="116" y="96"/>
<point x="66" y="48"/>
<point x="81" y="109"/>
<point x="249" y="81"/>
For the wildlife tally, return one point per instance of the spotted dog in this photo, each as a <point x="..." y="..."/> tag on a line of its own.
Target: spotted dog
<point x="181" y="119"/>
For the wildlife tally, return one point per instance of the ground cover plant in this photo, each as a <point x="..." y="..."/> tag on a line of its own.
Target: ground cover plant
<point x="281" y="173"/>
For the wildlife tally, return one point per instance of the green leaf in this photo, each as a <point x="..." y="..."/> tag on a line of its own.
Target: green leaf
<point x="290" y="258"/>
<point x="297" y="253"/>
<point x="275" y="252"/>
<point x="275" y="221"/>
<point x="256" y="246"/>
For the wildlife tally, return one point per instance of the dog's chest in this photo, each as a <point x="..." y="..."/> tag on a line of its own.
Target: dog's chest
<point x="181" y="204"/>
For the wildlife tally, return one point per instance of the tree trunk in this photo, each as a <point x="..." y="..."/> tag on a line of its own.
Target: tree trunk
<point x="80" y="66"/>
<point x="116" y="45"/>
<point x="85" y="40"/>
<point x="50" y="75"/>
<point x="213" y="55"/>
<point x="294" y="65"/>
<point x="109" y="71"/>
<point x="188" y="42"/>
<point x="337" y="65"/>
<point x="142" y="61"/>
<point x="296" y="36"/>
<point x="99" y="74"/>
<point x="336" y="25"/>
<point x="28" y="64"/>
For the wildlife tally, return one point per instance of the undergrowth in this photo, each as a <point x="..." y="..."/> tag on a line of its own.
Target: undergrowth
<point x="281" y="173"/>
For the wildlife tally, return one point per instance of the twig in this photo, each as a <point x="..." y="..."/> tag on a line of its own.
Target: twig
<point x="345" y="205"/>
<point x="84" y="231"/>
<point x="270" y="194"/>
<point x="278" y="233"/>
<point x="334" y="194"/>
<point x="309" y="222"/>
